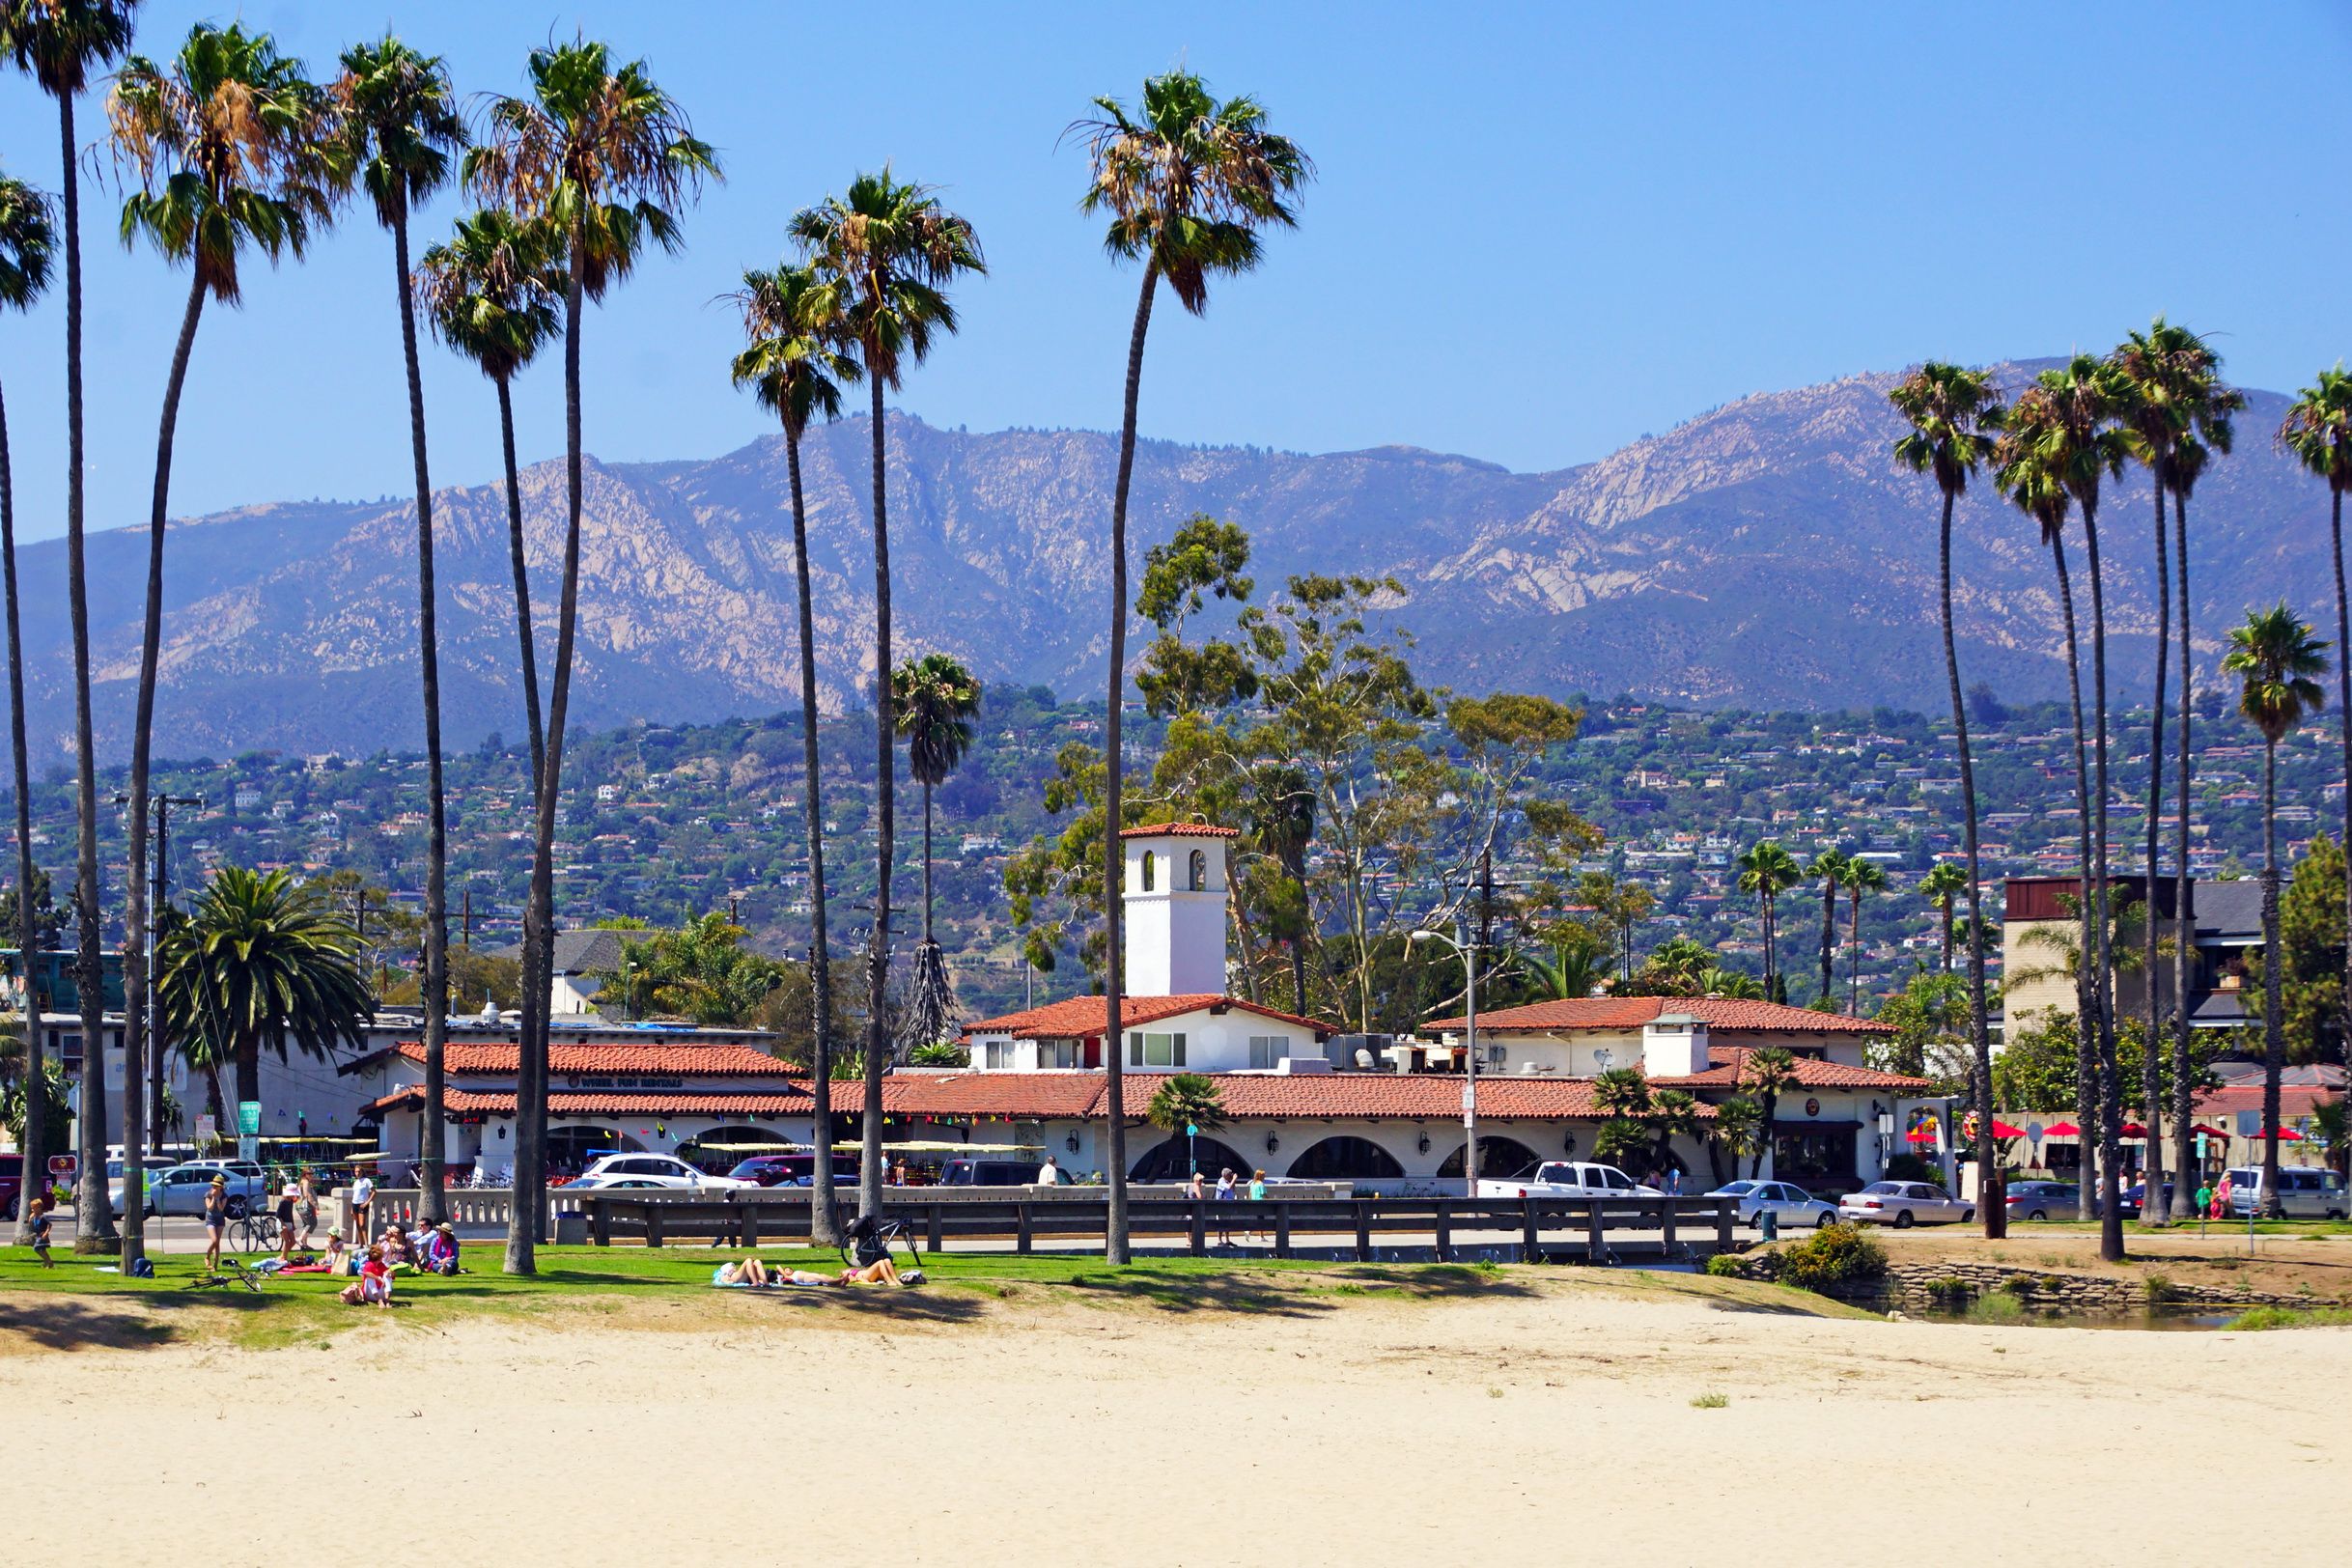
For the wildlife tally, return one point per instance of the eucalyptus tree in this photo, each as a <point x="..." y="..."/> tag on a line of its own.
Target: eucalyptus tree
<point x="1829" y="868"/>
<point x="936" y="698"/>
<point x="2027" y="474"/>
<point x="2276" y="657"/>
<point x="401" y="125"/>
<point x="2173" y="409"/>
<point x="234" y="148"/>
<point x="1189" y="182"/>
<point x="884" y="253"/>
<point x="62" y="44"/>
<point x="601" y="155"/>
<point x="28" y="244"/>
<point x="1955" y="416"/>
<point x="795" y="365"/>
<point x="1768" y="870"/>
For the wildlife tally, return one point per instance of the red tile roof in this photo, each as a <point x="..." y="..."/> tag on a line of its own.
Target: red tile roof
<point x="793" y="1103"/>
<point x="1081" y="1015"/>
<point x="1632" y="1012"/>
<point x="600" y="1060"/>
<point x="1179" y="830"/>
<point x="1812" y="1073"/>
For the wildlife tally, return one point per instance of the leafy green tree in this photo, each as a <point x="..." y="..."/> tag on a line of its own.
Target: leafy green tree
<point x="1183" y="675"/>
<point x="1768" y="870"/>
<point x="27" y="241"/>
<point x="1930" y="1017"/>
<point x="397" y="116"/>
<point x="1673" y="1114"/>
<point x="701" y="972"/>
<point x="797" y="364"/>
<point x="2276" y="657"/>
<point x="1187" y="182"/>
<point x="885" y="255"/>
<point x="1186" y="1100"/>
<point x="2311" y="933"/>
<point x="61" y="44"/>
<point x="50" y="1101"/>
<point x="599" y="153"/>
<point x="259" y="960"/>
<point x="1622" y="1091"/>
<point x="1621" y="902"/>
<point x="48" y="921"/>
<point x="1620" y="1142"/>
<point x="2036" y="1071"/>
<point x="234" y="147"/>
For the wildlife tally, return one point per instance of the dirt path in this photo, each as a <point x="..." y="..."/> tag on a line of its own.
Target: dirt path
<point x="1040" y="1429"/>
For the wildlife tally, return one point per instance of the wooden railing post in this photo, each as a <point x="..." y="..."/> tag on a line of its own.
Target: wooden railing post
<point x="747" y="1224"/>
<point x="1666" y="1223"/>
<point x="1596" y="1241"/>
<point x="1200" y="1227"/>
<point x="1282" y="1227"/>
<point x="1531" y="1245"/>
<point x="1445" y="1232"/>
<point x="932" y="1228"/>
<point x="1363" y="1229"/>
<point x="1020" y="1242"/>
<point x="601" y="1211"/>
<point x="1723" y="1214"/>
<point x="653" y="1223"/>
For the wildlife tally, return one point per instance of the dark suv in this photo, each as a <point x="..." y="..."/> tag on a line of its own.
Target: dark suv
<point x="11" y="1184"/>
<point x="794" y="1169"/>
<point x="991" y="1173"/>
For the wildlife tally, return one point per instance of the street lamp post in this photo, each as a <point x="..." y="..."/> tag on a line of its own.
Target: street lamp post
<point x="1460" y="943"/>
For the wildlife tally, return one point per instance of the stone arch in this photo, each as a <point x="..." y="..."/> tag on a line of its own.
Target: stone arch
<point x="1345" y="1158"/>
<point x="1165" y="1161"/>
<point x="1149" y="870"/>
<point x="1197" y="871"/>
<point x="1499" y="1158"/>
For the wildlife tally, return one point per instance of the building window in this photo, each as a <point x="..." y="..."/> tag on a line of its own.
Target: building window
<point x="1199" y="872"/>
<point x="999" y="1053"/>
<point x="1151" y="869"/>
<point x="1057" y="1053"/>
<point x="1268" y="1049"/>
<point x="1154" y="1050"/>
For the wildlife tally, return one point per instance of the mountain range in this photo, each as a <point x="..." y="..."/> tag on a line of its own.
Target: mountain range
<point x="1765" y="554"/>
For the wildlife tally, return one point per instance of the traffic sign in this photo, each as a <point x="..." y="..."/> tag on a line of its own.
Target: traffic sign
<point x="248" y="1116"/>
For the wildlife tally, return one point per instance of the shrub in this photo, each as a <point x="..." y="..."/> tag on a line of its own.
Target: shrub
<point x="2283" y="1316"/>
<point x="1834" y="1257"/>
<point x="1709" y="1402"/>
<point x="1996" y="1308"/>
<point x="1950" y="1290"/>
<point x="2018" y="1285"/>
<point x="1910" y="1168"/>
<point x="2159" y="1289"/>
<point x="1729" y="1266"/>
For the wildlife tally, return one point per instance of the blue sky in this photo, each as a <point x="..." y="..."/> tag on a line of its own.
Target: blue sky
<point x="1539" y="232"/>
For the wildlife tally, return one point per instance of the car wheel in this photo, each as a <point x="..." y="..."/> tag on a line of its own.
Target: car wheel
<point x="1902" y="1221"/>
<point x="2335" y="1214"/>
<point x="1825" y="1218"/>
<point x="1967" y="1216"/>
<point x="2040" y="1216"/>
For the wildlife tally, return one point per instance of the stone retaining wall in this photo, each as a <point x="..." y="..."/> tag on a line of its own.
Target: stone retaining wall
<point x="1928" y="1284"/>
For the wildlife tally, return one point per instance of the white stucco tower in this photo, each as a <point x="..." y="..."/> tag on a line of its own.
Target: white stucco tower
<point x="1173" y="907"/>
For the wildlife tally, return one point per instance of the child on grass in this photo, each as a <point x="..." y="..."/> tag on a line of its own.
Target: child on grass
<point x="41" y="1230"/>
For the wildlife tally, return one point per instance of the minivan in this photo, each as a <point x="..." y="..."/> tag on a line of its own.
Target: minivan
<point x="2305" y="1193"/>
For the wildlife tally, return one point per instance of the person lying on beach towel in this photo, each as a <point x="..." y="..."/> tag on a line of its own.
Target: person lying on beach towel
<point x="881" y="1272"/>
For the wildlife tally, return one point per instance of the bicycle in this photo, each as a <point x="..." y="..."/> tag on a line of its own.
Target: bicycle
<point x="254" y="1231"/>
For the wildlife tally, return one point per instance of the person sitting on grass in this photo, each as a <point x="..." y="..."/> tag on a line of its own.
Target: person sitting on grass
<point x="373" y="1286"/>
<point x="336" y="1260"/>
<point x="439" y="1253"/>
<point x="395" y="1247"/>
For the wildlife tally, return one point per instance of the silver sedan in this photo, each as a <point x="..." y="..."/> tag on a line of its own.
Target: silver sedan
<point x="1903" y="1204"/>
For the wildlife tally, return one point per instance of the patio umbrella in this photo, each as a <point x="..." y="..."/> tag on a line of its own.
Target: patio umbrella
<point x="2061" y="1130"/>
<point x="1923" y="1133"/>
<point x="2131" y="1131"/>
<point x="2287" y="1135"/>
<point x="2209" y="1132"/>
<point x="2003" y="1130"/>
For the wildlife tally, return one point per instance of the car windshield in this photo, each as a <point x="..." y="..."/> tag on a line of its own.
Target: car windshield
<point x="1737" y="1190"/>
<point x="1884" y="1186"/>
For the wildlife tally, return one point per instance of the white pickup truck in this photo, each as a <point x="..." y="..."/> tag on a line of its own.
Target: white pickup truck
<point x="1567" y="1179"/>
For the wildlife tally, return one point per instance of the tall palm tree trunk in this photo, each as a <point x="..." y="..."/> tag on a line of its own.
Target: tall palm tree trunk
<point x="2343" y="717"/>
<point x="35" y="1144"/>
<point x="433" y="1148"/>
<point x="824" y="1223"/>
<point x="886" y="821"/>
<point x="2274" y="1024"/>
<point x="534" y="979"/>
<point x="2103" y="974"/>
<point x="1854" y="952"/>
<point x="93" y="1214"/>
<point x="1829" y="941"/>
<point x="1114" y="862"/>
<point x="1989" y="1200"/>
<point x="526" y="1218"/>
<point x="2152" y="1208"/>
<point x="2184" y="922"/>
<point x="2086" y="1063"/>
<point x="142" y="745"/>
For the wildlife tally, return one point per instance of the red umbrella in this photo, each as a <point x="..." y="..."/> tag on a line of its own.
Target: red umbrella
<point x="2209" y="1132"/>
<point x="2061" y="1130"/>
<point x="1925" y="1133"/>
<point x="2130" y="1130"/>
<point x="2287" y="1135"/>
<point x="2003" y="1130"/>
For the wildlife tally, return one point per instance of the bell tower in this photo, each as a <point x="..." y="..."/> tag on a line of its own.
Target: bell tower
<point x="1172" y="901"/>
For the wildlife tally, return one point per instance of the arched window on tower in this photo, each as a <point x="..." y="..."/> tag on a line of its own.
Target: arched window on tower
<point x="1150" y="875"/>
<point x="1199" y="881"/>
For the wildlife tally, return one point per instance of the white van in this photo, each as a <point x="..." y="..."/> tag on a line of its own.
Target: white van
<point x="2305" y="1193"/>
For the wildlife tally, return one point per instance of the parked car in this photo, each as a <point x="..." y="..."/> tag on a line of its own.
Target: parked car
<point x="2134" y="1195"/>
<point x="2042" y="1200"/>
<point x="989" y="1172"/>
<point x="1787" y="1203"/>
<point x="1904" y="1204"/>
<point x="1567" y="1179"/>
<point x="792" y="1171"/>
<point x="2305" y="1193"/>
<point x="658" y="1169"/>
<point x="179" y="1190"/>
<point x="11" y="1184"/>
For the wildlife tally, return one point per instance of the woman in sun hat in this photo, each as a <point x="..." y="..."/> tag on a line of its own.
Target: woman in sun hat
<point x="215" y="1220"/>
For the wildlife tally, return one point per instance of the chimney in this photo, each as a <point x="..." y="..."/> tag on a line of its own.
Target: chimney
<point x="1674" y="1044"/>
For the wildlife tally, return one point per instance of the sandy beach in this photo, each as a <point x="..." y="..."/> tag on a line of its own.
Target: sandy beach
<point x="1525" y="1416"/>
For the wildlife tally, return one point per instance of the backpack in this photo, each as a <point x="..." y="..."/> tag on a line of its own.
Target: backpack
<point x="141" y="1268"/>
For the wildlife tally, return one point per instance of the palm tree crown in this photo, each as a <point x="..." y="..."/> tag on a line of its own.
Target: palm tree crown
<point x="28" y="241"/>
<point x="2318" y="427"/>
<point x="2277" y="655"/>
<point x="1189" y="181"/>
<point x="492" y="288"/>
<point x="1955" y="415"/>
<point x="936" y="698"/>
<point x="57" y="41"/>
<point x="886" y="253"/>
<point x="400" y="123"/>
<point x="228" y="140"/>
<point x="793" y="363"/>
<point x="261" y="961"/>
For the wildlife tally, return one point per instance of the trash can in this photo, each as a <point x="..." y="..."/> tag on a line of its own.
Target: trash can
<point x="1767" y="1225"/>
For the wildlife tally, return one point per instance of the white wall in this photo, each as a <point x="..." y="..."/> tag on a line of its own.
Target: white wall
<point x="1174" y="934"/>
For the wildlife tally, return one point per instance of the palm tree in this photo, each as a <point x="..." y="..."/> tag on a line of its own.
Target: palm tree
<point x="27" y="243"/>
<point x="1187" y="182"/>
<point x="936" y="698"/>
<point x="1738" y="1132"/>
<point x="2028" y="474"/>
<point x="61" y="44"/>
<point x="232" y="145"/>
<point x="401" y="120"/>
<point x="1942" y="888"/>
<point x="1673" y="1114"/>
<point x="259" y="960"/>
<point x="1858" y="877"/>
<point x="1768" y="870"/>
<point x="599" y="153"/>
<point x="796" y="367"/>
<point x="1955" y="415"/>
<point x="1830" y="866"/>
<point x="884" y="254"/>
<point x="1183" y="1101"/>
<point x="1768" y="1073"/>
<point x="2169" y="395"/>
<point x="2276" y="657"/>
<point x="2318" y="431"/>
<point x="2182" y="471"/>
